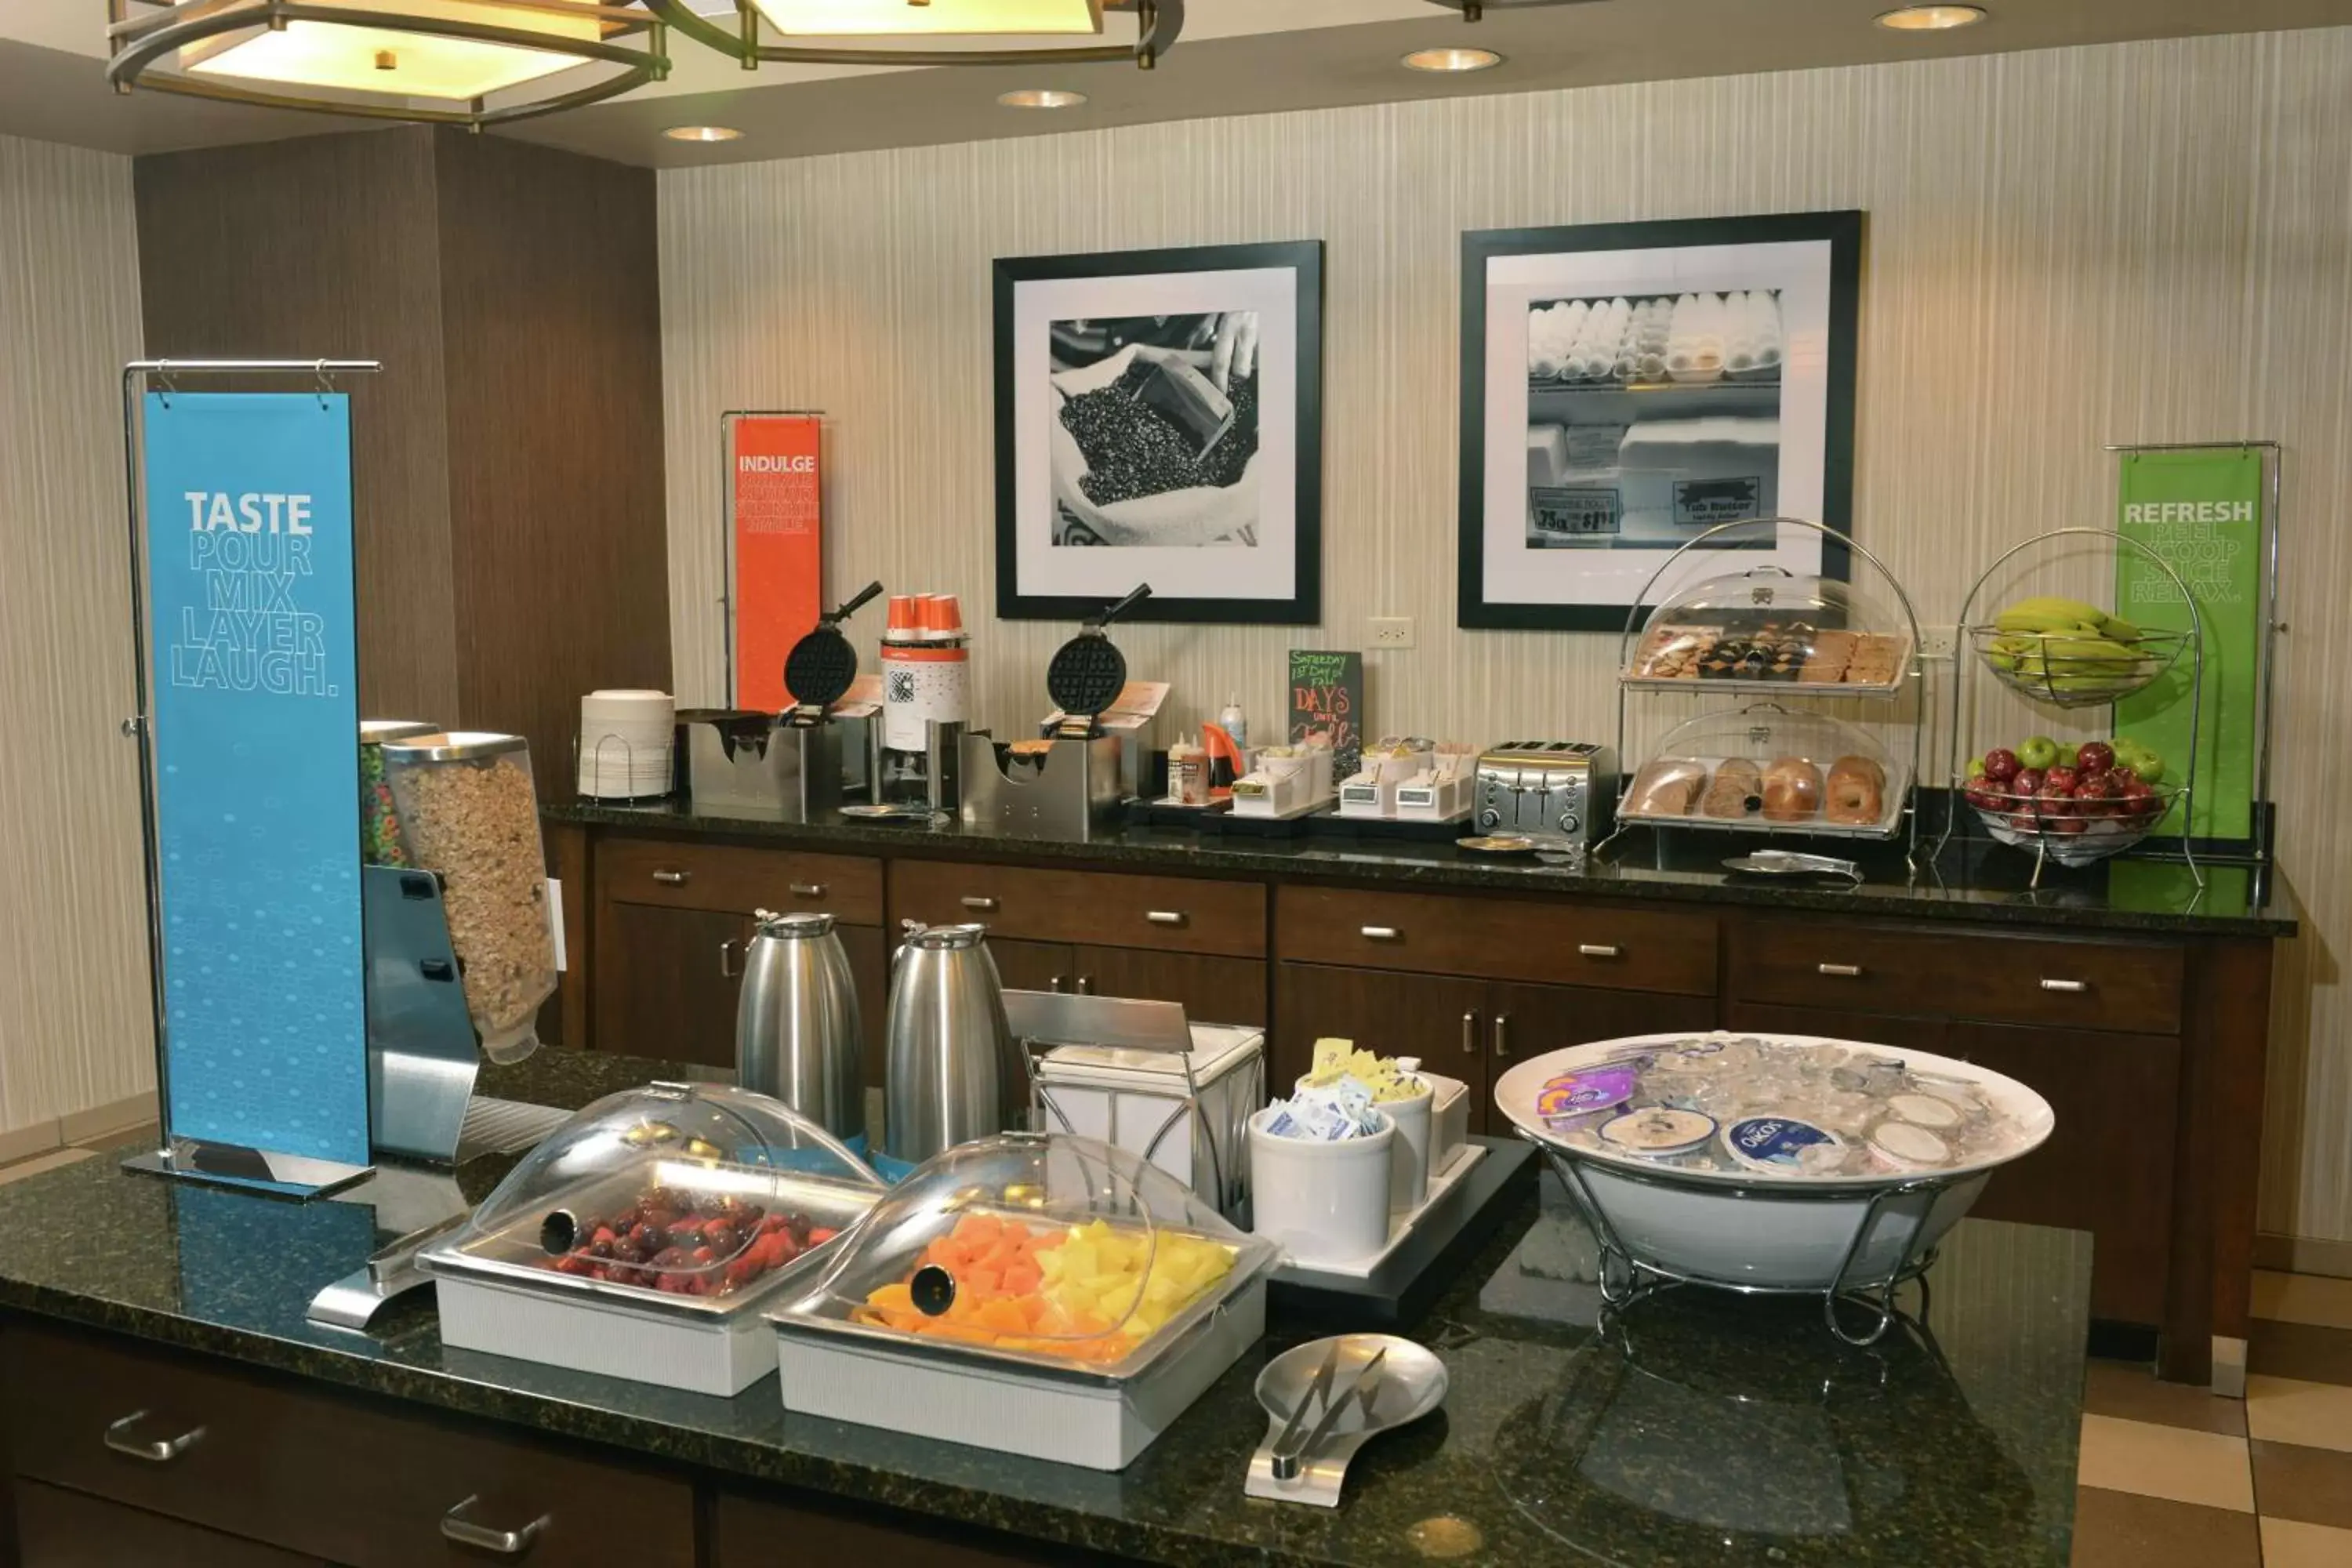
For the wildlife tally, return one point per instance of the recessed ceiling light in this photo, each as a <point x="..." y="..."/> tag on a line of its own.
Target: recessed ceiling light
<point x="703" y="133"/>
<point x="1041" y="98"/>
<point x="1931" y="18"/>
<point x="1451" y="59"/>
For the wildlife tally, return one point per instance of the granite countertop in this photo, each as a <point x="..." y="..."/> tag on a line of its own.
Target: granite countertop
<point x="1974" y="880"/>
<point x="1695" y="1427"/>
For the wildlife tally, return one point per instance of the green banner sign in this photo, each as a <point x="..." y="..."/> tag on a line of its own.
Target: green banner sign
<point x="2201" y="510"/>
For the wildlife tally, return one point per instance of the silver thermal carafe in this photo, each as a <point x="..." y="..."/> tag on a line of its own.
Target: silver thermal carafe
<point x="955" y="1072"/>
<point x="796" y="1023"/>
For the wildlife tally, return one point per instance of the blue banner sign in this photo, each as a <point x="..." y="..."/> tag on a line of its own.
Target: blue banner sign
<point x="252" y="635"/>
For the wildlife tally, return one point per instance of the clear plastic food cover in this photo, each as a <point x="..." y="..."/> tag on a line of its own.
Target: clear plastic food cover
<point x="1764" y="768"/>
<point x="1773" y="627"/>
<point x="1039" y="1245"/>
<point x="468" y="810"/>
<point x="678" y="1190"/>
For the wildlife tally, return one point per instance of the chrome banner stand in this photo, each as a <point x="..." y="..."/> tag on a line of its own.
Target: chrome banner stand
<point x="186" y="1158"/>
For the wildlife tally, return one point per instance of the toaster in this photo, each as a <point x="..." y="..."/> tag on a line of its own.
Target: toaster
<point x="1554" y="791"/>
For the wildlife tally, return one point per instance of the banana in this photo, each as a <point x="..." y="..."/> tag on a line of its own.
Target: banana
<point x="2050" y="613"/>
<point x="2119" y="630"/>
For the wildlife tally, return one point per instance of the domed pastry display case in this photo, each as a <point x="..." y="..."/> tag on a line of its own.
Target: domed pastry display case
<point x="1095" y="1294"/>
<point x="2071" y="655"/>
<point x="638" y="1239"/>
<point x="1762" y="768"/>
<point x="1770" y="628"/>
<point x="1770" y="632"/>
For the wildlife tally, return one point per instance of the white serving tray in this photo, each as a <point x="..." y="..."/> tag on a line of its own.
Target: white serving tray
<point x="712" y="1355"/>
<point x="1101" y="1425"/>
<point x="1428" y="1229"/>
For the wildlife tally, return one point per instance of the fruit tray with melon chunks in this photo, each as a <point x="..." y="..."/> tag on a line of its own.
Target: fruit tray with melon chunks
<point x="711" y="1241"/>
<point x="1100" y="1296"/>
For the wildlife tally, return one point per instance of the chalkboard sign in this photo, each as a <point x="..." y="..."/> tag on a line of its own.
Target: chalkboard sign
<point x="1326" y="698"/>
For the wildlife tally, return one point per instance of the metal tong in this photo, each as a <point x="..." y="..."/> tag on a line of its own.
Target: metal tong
<point x="1289" y="1449"/>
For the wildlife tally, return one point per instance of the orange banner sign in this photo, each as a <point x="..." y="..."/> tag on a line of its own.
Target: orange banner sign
<point x="778" y="530"/>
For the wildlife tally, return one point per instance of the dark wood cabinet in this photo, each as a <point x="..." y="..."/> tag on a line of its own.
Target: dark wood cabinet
<point x="664" y="988"/>
<point x="2109" y="1168"/>
<point x="1527" y="1020"/>
<point x="316" y="1477"/>
<point x="1212" y="990"/>
<point x="60" y="1528"/>
<point x="763" y="1532"/>
<point x="1034" y="965"/>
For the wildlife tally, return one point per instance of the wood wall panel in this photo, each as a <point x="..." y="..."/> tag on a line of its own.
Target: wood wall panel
<point x="74" y="1025"/>
<point x="326" y="246"/>
<point x="551" y="330"/>
<point x="2143" y="242"/>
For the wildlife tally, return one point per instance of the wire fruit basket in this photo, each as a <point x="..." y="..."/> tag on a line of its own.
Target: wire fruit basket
<point x="2084" y="668"/>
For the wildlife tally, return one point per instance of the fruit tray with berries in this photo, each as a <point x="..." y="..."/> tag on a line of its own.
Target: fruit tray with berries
<point x="2075" y="803"/>
<point x="707" y="1238"/>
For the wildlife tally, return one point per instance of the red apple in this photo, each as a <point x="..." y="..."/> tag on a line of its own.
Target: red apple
<point x="2061" y="778"/>
<point x="1981" y="797"/>
<point x="2095" y="757"/>
<point x="2054" y="799"/>
<point x="2095" y="795"/>
<point x="2000" y="765"/>
<point x="2025" y="781"/>
<point x="2069" y="825"/>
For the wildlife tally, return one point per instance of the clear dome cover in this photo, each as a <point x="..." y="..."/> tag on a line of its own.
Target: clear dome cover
<point x="1772" y="627"/>
<point x="1762" y="768"/>
<point x="696" y="1192"/>
<point x="1042" y="1246"/>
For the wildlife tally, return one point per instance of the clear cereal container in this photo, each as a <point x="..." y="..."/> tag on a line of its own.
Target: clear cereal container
<point x="1770" y="628"/>
<point x="469" y="811"/>
<point x="380" y="840"/>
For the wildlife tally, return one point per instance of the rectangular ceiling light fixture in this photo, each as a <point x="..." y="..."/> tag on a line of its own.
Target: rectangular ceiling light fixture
<point x="928" y="19"/>
<point x="405" y="64"/>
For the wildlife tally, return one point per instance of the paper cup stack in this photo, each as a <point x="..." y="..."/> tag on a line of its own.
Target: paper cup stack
<point x="624" y="744"/>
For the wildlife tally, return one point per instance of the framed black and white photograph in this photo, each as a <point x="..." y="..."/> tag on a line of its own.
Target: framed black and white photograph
<point x="1158" y="419"/>
<point x="1626" y="388"/>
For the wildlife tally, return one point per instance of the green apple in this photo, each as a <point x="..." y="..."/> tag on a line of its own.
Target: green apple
<point x="2146" y="765"/>
<point x="1976" y="768"/>
<point x="2036" y="752"/>
<point x="2068" y="753"/>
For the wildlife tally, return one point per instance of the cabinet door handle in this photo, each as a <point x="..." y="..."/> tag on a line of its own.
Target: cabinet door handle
<point x="456" y="1526"/>
<point x="1842" y="971"/>
<point x="1164" y="917"/>
<point x="1085" y="985"/>
<point x="726" y="967"/>
<point x="808" y="890"/>
<point x="669" y="878"/>
<point x="161" y="1452"/>
<point x="1600" y="949"/>
<point x="1380" y="933"/>
<point x="978" y="904"/>
<point x="1469" y="1034"/>
<point x="1503" y="1036"/>
<point x="1058" y="984"/>
<point x="2070" y="986"/>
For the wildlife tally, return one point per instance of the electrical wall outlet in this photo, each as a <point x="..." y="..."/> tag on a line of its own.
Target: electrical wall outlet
<point x="1392" y="631"/>
<point x="1938" y="642"/>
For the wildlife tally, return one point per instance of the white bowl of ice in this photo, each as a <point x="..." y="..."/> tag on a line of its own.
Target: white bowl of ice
<point x="1711" y="1218"/>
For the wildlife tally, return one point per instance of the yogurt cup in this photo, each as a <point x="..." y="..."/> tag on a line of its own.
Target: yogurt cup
<point x="1658" y="1131"/>
<point x="1775" y="1144"/>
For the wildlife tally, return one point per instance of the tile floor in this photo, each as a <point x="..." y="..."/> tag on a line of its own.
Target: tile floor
<point x="2170" y="1477"/>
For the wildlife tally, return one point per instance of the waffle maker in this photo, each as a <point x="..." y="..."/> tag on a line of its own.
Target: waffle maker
<point x="822" y="665"/>
<point x="1088" y="672"/>
<point x="1068" y="785"/>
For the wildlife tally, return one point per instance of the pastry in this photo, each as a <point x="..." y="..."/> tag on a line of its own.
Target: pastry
<point x="1674" y="652"/>
<point x="1831" y="653"/>
<point x="1855" y="794"/>
<point x="1666" y="787"/>
<point x="1877" y="660"/>
<point x="1792" y="790"/>
<point x="1736" y="790"/>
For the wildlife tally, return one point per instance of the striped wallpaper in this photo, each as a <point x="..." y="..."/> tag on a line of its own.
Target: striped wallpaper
<point x="2145" y="242"/>
<point x="75" y="1033"/>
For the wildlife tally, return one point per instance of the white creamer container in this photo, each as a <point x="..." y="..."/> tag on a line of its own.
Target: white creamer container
<point x="1322" y="1202"/>
<point x="1130" y="1099"/>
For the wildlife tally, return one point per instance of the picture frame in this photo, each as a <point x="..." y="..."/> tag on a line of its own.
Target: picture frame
<point x="1158" y="419"/>
<point x="1724" y="390"/>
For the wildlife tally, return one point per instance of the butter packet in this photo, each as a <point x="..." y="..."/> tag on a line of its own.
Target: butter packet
<point x="1326" y="1113"/>
<point x="1390" y="1078"/>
